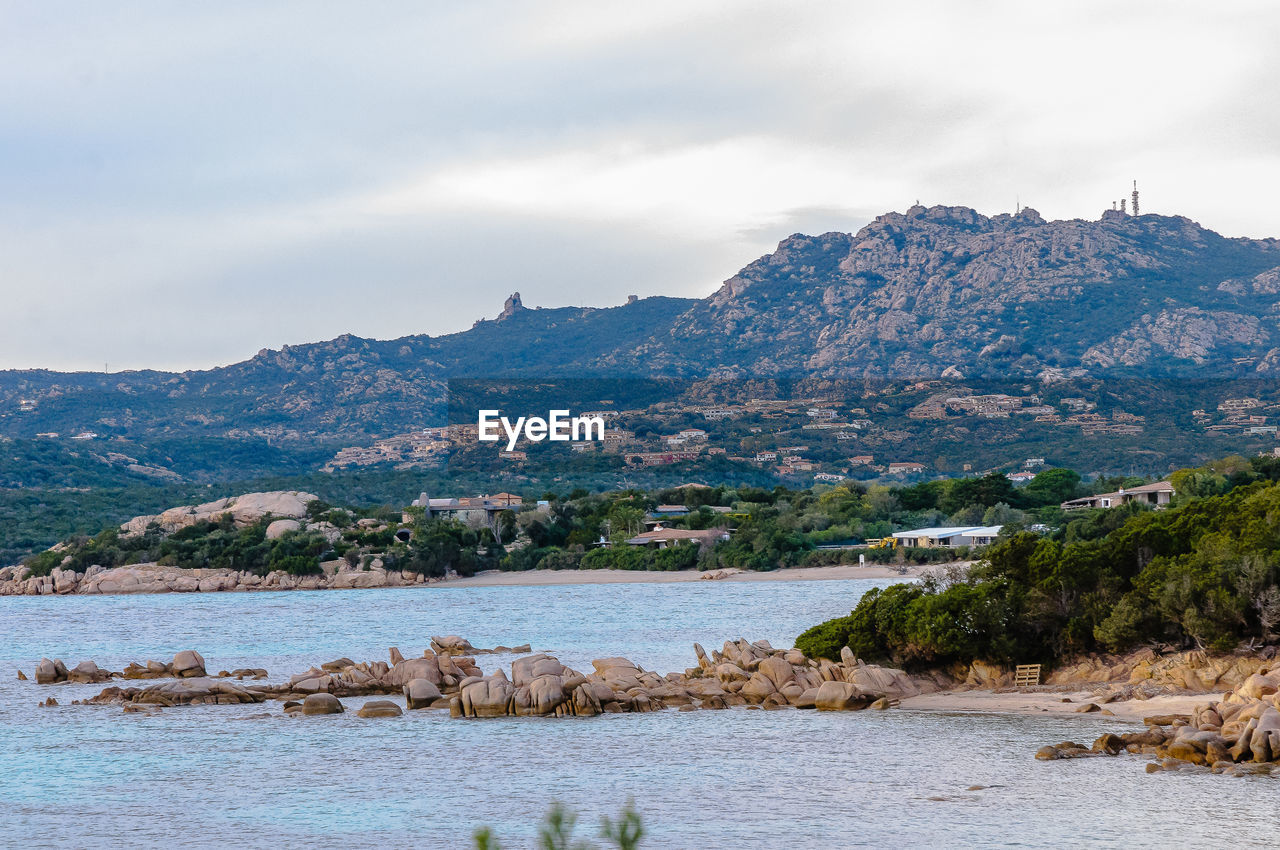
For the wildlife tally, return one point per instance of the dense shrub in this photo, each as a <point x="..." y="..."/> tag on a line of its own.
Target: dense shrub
<point x="1204" y="573"/>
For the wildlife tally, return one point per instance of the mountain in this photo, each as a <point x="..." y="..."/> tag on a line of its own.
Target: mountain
<point x="938" y="291"/>
<point x="913" y="294"/>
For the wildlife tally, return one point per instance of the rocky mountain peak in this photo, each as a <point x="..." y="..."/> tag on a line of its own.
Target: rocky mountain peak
<point x="511" y="306"/>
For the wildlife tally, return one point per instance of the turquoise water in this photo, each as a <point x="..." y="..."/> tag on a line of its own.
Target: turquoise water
<point x="88" y="776"/>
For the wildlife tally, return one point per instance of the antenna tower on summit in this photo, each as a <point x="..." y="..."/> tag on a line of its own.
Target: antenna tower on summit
<point x="1135" y="197"/>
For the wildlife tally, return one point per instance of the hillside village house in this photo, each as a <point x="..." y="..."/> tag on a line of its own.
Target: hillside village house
<point x="904" y="468"/>
<point x="662" y="538"/>
<point x="862" y="460"/>
<point x="660" y="458"/>
<point x="1020" y="477"/>
<point x="1158" y="495"/>
<point x="948" y="537"/>
<point x="471" y="508"/>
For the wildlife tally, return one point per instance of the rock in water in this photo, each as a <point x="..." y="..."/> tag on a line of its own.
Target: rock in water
<point x="490" y="697"/>
<point x="188" y="664"/>
<point x="321" y="704"/>
<point x="841" y="696"/>
<point x="48" y="672"/>
<point x="420" y="693"/>
<point x="375" y="708"/>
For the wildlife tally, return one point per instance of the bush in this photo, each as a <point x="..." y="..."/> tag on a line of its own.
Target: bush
<point x="825" y="640"/>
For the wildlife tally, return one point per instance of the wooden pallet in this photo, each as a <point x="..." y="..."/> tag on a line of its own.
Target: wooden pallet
<point x="1026" y="676"/>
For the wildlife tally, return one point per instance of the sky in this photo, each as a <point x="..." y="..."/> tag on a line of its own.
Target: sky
<point x="183" y="184"/>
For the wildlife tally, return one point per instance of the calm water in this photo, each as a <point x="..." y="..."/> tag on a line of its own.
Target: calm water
<point x="91" y="776"/>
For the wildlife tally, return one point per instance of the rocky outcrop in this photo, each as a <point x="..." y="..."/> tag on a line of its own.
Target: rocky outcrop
<point x="742" y="673"/>
<point x="243" y="510"/>
<point x="378" y="708"/>
<point x="155" y="578"/>
<point x="185" y="665"/>
<point x="1238" y="735"/>
<point x="1151" y="674"/>
<point x="454" y="645"/>
<point x="321" y="704"/>
<point x="200" y="691"/>
<point x="946" y="289"/>
<point x="1138" y="675"/>
<point x="1188" y="333"/>
<point x="419" y="693"/>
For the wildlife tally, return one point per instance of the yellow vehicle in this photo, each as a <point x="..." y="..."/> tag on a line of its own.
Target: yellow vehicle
<point x="882" y="543"/>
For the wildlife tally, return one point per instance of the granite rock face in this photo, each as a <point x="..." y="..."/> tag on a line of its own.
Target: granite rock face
<point x="243" y="510"/>
<point x="945" y="288"/>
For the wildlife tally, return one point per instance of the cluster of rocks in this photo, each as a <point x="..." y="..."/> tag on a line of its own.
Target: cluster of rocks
<point x="199" y="691"/>
<point x="329" y="704"/>
<point x="434" y="674"/>
<point x="740" y="674"/>
<point x="157" y="578"/>
<point x="1237" y="735"/>
<point x="1139" y="675"/>
<point x="1151" y="673"/>
<point x="454" y="645"/>
<point x="185" y="665"/>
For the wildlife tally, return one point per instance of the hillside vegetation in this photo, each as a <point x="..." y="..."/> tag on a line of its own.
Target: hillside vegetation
<point x="1204" y="573"/>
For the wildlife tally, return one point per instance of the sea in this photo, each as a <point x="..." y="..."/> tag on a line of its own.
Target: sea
<point x="246" y="776"/>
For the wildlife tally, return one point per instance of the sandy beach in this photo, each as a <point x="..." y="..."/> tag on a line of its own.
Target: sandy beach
<point x="496" y="578"/>
<point x="1036" y="702"/>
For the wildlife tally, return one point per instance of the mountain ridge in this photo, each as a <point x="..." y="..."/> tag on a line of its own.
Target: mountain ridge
<point x="918" y="294"/>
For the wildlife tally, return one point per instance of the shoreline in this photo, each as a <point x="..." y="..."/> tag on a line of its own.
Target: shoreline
<point x="539" y="578"/>
<point x="154" y="578"/>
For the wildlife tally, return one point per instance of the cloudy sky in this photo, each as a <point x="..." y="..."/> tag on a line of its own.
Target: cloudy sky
<point x="182" y="184"/>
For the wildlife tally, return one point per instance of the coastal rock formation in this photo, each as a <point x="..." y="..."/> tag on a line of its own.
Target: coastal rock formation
<point x="1194" y="671"/>
<point x="1238" y="735"/>
<point x="322" y="704"/>
<point x="454" y="645"/>
<point x="378" y="708"/>
<point x="49" y="672"/>
<point x="345" y="677"/>
<point x="186" y="664"/>
<point x="740" y="674"/>
<point x="156" y="578"/>
<point x="201" y="691"/>
<point x="419" y="693"/>
<point x="1141" y="674"/>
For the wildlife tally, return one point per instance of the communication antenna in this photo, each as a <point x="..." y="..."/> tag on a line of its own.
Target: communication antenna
<point x="1122" y="205"/>
<point x="1135" y="197"/>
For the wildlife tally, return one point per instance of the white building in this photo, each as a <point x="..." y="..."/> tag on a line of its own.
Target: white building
<point x="948" y="536"/>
